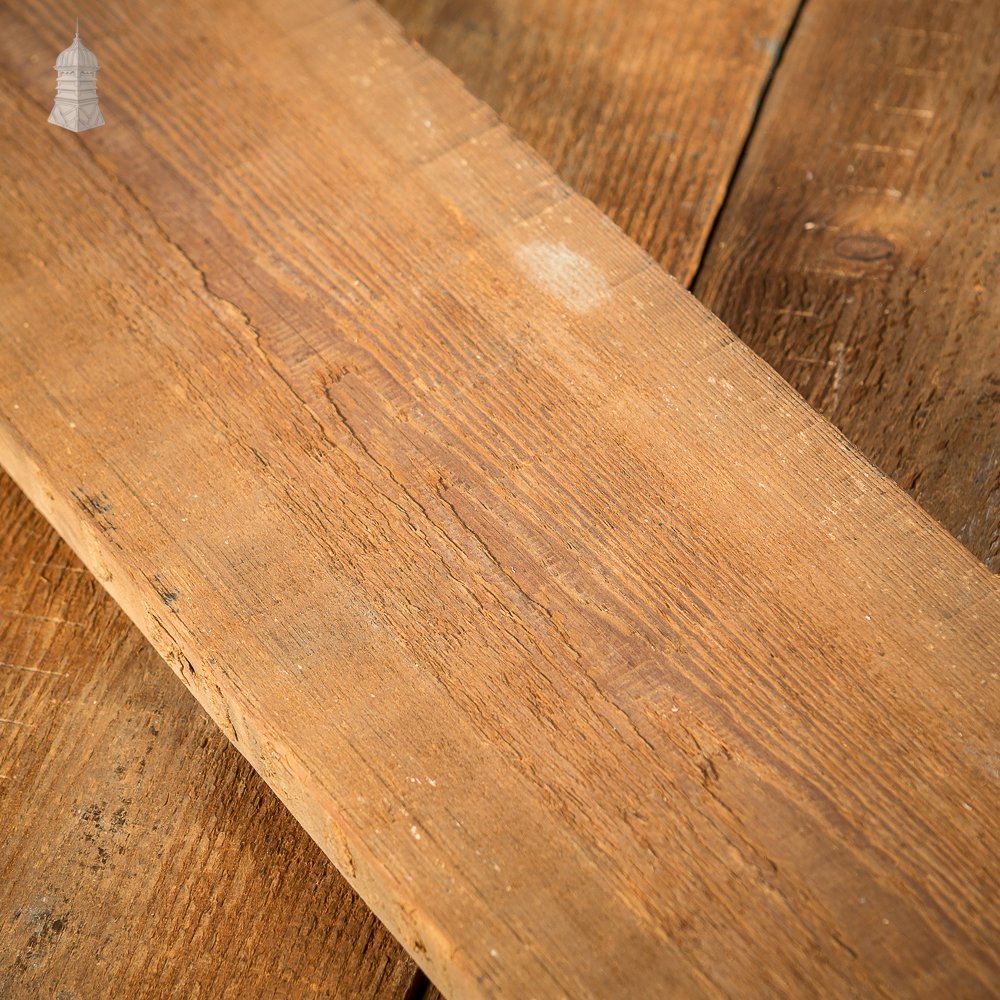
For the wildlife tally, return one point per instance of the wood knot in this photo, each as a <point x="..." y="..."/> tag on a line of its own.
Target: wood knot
<point x="864" y="247"/>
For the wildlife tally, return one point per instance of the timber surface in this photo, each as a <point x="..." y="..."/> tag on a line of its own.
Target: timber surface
<point x="678" y="659"/>
<point x="138" y="848"/>
<point x="858" y="246"/>
<point x="644" y="112"/>
<point x="662" y="185"/>
<point x="859" y="252"/>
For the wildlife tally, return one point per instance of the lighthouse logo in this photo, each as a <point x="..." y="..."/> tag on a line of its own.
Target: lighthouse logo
<point x="76" y="105"/>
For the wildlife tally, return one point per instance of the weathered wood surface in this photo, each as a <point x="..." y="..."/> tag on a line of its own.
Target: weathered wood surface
<point x="643" y="111"/>
<point x="860" y="250"/>
<point x="859" y="246"/>
<point x="136" y="846"/>
<point x="631" y="90"/>
<point x="507" y="624"/>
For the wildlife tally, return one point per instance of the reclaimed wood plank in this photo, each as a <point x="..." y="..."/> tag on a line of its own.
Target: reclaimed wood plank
<point x="448" y="618"/>
<point x="631" y="91"/>
<point x="136" y="846"/>
<point x="860" y="247"/>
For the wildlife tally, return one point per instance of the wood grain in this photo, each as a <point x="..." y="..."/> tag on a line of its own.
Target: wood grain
<point x="633" y="89"/>
<point x="552" y="614"/>
<point x="645" y="113"/>
<point x="907" y="374"/>
<point x="136" y="846"/>
<point x="860" y="248"/>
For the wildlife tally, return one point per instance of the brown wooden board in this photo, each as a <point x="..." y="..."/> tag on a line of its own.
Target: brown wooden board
<point x="860" y="248"/>
<point x="463" y="567"/>
<point x="642" y="108"/>
<point x="136" y="847"/>
<point x="639" y="79"/>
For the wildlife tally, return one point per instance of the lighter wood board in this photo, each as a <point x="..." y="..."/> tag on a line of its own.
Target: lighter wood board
<point x="546" y="607"/>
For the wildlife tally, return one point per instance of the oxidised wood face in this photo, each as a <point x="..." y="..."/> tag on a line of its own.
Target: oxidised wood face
<point x="443" y="500"/>
<point x="860" y="244"/>
<point x="678" y="148"/>
<point x="855" y="250"/>
<point x="138" y="848"/>
<point x="642" y="108"/>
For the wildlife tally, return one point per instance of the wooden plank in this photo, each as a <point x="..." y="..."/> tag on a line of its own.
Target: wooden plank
<point x="645" y="115"/>
<point x="136" y="846"/>
<point x="482" y="498"/>
<point x="860" y="247"/>
<point x="673" y="145"/>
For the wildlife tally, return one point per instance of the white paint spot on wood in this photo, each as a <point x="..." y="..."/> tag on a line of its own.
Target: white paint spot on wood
<point x="564" y="274"/>
<point x="772" y="46"/>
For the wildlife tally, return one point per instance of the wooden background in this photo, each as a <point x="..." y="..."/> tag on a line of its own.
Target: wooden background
<point x="847" y="230"/>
